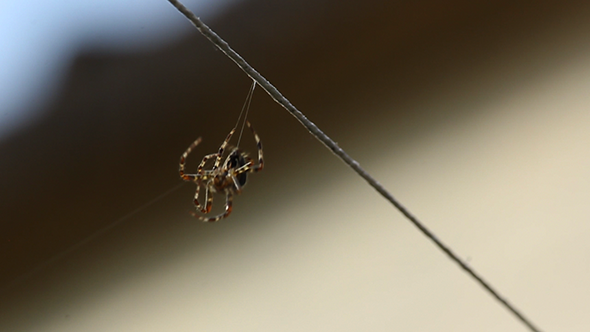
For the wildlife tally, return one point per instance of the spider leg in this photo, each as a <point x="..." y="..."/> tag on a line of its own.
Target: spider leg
<point x="184" y="176"/>
<point x="237" y="185"/>
<point x="244" y="168"/>
<point x="207" y="207"/>
<point x="221" y="149"/>
<point x="202" y="164"/>
<point x="260" y="165"/>
<point x="228" y="209"/>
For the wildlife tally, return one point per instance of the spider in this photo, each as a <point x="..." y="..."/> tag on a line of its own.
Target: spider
<point x="228" y="178"/>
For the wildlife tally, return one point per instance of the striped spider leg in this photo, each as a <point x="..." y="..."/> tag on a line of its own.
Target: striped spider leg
<point x="228" y="178"/>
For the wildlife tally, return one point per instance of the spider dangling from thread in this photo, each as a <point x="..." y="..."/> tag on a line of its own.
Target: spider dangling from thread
<point x="228" y="178"/>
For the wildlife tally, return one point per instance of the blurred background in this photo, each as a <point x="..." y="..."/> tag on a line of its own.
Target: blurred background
<point x="473" y="114"/>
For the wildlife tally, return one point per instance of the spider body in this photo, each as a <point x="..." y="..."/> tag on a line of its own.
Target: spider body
<point x="228" y="178"/>
<point x="224" y="179"/>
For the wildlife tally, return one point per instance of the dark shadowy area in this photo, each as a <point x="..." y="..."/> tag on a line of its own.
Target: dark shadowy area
<point x="111" y="140"/>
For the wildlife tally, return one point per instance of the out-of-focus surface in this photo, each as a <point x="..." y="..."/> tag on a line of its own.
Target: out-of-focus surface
<point x="475" y="116"/>
<point x="39" y="39"/>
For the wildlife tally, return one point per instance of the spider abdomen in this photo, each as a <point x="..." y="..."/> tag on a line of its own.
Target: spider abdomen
<point x="236" y="160"/>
